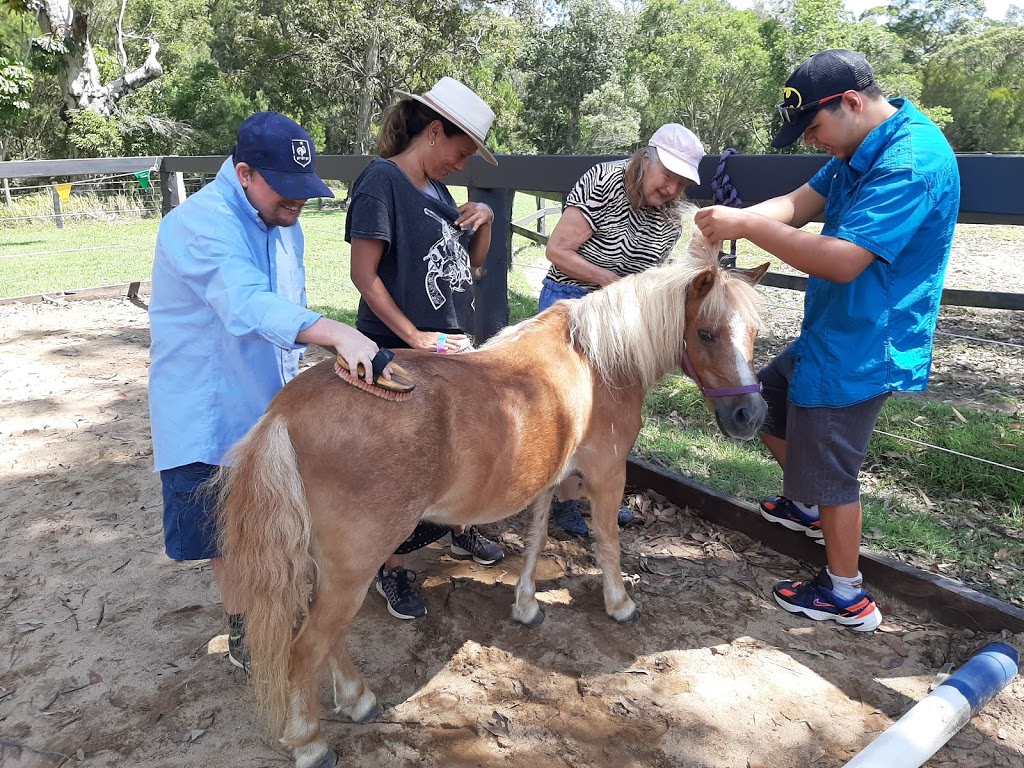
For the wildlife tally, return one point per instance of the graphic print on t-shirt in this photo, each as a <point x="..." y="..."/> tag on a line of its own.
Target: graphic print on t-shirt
<point x="448" y="260"/>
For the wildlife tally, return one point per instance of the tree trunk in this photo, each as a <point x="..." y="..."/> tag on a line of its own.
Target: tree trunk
<point x="80" y="78"/>
<point x="364" y="117"/>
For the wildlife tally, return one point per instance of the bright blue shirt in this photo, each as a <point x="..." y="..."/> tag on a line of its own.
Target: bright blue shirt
<point x="228" y="300"/>
<point x="898" y="196"/>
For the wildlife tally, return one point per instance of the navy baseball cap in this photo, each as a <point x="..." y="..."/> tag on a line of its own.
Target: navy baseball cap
<point x="823" y="77"/>
<point x="283" y="153"/>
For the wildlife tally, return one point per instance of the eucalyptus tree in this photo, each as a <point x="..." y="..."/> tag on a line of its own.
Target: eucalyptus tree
<point x="923" y="25"/>
<point x="65" y="38"/>
<point x="705" y="65"/>
<point x="577" y="49"/>
<point x="979" y="78"/>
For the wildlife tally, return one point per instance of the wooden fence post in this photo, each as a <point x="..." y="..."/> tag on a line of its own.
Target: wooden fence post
<point x="57" y="217"/>
<point x="172" y="189"/>
<point x="491" y="291"/>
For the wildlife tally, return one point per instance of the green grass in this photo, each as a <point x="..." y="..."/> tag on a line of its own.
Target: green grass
<point x="946" y="513"/>
<point x="39" y="258"/>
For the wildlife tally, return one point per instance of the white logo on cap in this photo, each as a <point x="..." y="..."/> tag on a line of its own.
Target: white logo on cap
<point x="301" y="153"/>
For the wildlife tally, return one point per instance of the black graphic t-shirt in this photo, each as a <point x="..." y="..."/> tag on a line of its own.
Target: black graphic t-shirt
<point x="425" y="264"/>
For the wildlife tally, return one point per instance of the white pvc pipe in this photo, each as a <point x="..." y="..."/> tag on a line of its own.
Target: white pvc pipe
<point x="938" y="716"/>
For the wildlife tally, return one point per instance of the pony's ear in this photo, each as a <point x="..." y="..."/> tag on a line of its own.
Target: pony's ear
<point x="754" y="274"/>
<point x="703" y="282"/>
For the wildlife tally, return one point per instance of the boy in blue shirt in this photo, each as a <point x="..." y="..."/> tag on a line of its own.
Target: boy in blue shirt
<point x="890" y="198"/>
<point x="229" y="322"/>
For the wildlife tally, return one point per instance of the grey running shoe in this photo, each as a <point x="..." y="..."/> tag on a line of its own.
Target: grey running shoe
<point x="472" y="544"/>
<point x="404" y="602"/>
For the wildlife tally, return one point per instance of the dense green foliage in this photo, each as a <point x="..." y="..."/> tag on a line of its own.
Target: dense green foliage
<point x="583" y="76"/>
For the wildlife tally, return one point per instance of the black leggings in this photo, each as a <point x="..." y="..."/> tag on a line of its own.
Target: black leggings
<point x="424" y="533"/>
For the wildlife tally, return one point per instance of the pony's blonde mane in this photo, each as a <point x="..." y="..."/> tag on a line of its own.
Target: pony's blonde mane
<point x="633" y="329"/>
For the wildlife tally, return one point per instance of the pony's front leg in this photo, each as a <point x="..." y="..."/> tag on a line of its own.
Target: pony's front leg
<point x="526" y="609"/>
<point x="351" y="696"/>
<point x="604" y="508"/>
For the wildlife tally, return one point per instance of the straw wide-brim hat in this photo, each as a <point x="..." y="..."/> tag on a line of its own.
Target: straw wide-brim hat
<point x="454" y="101"/>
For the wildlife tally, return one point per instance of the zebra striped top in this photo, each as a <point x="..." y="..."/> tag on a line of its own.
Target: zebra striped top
<point x="625" y="240"/>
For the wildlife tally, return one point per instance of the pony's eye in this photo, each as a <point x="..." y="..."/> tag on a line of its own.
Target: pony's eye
<point x="706" y="336"/>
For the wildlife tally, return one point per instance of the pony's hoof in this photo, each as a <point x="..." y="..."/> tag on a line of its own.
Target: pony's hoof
<point x="532" y="621"/>
<point x="372" y="715"/>
<point x="631" y="618"/>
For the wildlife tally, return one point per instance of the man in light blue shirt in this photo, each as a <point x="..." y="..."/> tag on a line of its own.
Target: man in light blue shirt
<point x="890" y="198"/>
<point x="229" y="322"/>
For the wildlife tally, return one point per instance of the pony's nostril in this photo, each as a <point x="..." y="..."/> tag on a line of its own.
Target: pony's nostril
<point x="743" y="416"/>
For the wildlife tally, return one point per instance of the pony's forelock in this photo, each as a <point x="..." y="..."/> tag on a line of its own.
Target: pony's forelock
<point x="634" y="328"/>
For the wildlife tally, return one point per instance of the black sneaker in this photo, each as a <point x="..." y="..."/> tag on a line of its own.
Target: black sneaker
<point x="238" y="651"/>
<point x="472" y="544"/>
<point x="404" y="602"/>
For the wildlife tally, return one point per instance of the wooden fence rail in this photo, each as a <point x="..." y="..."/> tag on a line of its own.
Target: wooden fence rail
<point x="991" y="194"/>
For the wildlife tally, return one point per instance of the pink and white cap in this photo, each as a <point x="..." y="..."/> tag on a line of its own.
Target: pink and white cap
<point x="679" y="150"/>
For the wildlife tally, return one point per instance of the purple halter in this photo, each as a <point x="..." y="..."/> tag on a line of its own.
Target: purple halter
<point x="746" y="389"/>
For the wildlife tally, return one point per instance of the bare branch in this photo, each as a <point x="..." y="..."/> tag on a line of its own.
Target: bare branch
<point x="120" y="38"/>
<point x="132" y="81"/>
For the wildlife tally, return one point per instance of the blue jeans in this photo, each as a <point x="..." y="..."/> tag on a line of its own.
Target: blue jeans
<point x="552" y="292"/>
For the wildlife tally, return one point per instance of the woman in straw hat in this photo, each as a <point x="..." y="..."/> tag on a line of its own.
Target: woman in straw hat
<point x="413" y="252"/>
<point x="620" y="218"/>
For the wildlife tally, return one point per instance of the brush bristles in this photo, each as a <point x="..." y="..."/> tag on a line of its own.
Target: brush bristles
<point x="371" y="389"/>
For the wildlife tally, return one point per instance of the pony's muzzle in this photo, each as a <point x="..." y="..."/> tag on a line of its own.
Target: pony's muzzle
<point x="741" y="416"/>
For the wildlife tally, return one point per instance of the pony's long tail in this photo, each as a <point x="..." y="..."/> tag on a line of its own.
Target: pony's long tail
<point x="264" y="526"/>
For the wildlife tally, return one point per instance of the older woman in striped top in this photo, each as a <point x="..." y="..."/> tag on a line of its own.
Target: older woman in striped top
<point x="621" y="218"/>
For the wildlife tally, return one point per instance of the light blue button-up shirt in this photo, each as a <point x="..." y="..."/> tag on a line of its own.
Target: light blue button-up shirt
<point x="228" y="300"/>
<point x="898" y="196"/>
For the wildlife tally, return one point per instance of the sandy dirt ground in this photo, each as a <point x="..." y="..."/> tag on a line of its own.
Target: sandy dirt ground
<point x="112" y="655"/>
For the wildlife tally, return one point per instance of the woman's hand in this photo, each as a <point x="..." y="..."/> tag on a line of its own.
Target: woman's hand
<point x="473" y="216"/>
<point x="443" y="343"/>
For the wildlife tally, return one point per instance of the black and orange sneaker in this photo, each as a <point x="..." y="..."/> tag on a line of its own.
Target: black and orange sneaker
<point x="779" y="509"/>
<point x="816" y="600"/>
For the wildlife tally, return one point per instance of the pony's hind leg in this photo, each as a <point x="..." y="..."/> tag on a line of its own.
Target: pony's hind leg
<point x="324" y="632"/>
<point x="302" y="728"/>
<point x="604" y="507"/>
<point x="526" y="609"/>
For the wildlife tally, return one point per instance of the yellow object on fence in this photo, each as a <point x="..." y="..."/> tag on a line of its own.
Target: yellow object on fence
<point x="64" y="190"/>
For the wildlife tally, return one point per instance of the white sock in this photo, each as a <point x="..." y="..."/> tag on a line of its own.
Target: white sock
<point x="808" y="509"/>
<point x="846" y="587"/>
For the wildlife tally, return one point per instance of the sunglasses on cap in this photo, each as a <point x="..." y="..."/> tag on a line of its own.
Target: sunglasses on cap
<point x="790" y="114"/>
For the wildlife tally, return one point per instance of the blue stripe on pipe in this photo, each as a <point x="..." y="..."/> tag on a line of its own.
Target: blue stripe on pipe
<point x="985" y="674"/>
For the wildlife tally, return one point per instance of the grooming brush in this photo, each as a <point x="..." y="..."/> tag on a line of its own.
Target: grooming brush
<point x="398" y="388"/>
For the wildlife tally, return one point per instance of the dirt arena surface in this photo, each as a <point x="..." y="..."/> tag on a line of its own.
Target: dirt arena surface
<point x="112" y="655"/>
